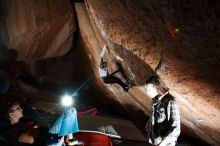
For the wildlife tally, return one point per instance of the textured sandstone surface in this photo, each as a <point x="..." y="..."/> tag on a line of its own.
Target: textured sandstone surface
<point x="137" y="32"/>
<point x="37" y="29"/>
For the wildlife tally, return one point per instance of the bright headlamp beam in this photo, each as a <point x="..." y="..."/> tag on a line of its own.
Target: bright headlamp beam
<point x="81" y="86"/>
<point x="67" y="100"/>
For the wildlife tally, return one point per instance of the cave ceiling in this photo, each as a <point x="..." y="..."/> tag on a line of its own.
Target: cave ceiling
<point x="137" y="34"/>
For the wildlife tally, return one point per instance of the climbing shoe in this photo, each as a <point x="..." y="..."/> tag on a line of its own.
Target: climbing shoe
<point x="73" y="141"/>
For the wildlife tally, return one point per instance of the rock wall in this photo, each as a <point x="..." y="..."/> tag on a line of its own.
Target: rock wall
<point x="37" y="29"/>
<point x="186" y="33"/>
<point x="138" y="33"/>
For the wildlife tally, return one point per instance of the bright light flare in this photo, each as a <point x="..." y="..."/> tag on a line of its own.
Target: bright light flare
<point x="67" y="100"/>
<point x="177" y="29"/>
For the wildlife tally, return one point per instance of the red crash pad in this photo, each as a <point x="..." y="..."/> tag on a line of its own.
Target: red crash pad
<point x="93" y="139"/>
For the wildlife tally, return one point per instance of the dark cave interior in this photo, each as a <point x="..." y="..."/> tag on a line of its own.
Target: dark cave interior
<point x="49" y="48"/>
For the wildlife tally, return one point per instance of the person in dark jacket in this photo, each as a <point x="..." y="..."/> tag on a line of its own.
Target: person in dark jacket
<point x="163" y="126"/>
<point x="25" y="131"/>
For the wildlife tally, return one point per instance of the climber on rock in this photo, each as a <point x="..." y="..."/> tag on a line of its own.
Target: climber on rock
<point x="111" y="78"/>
